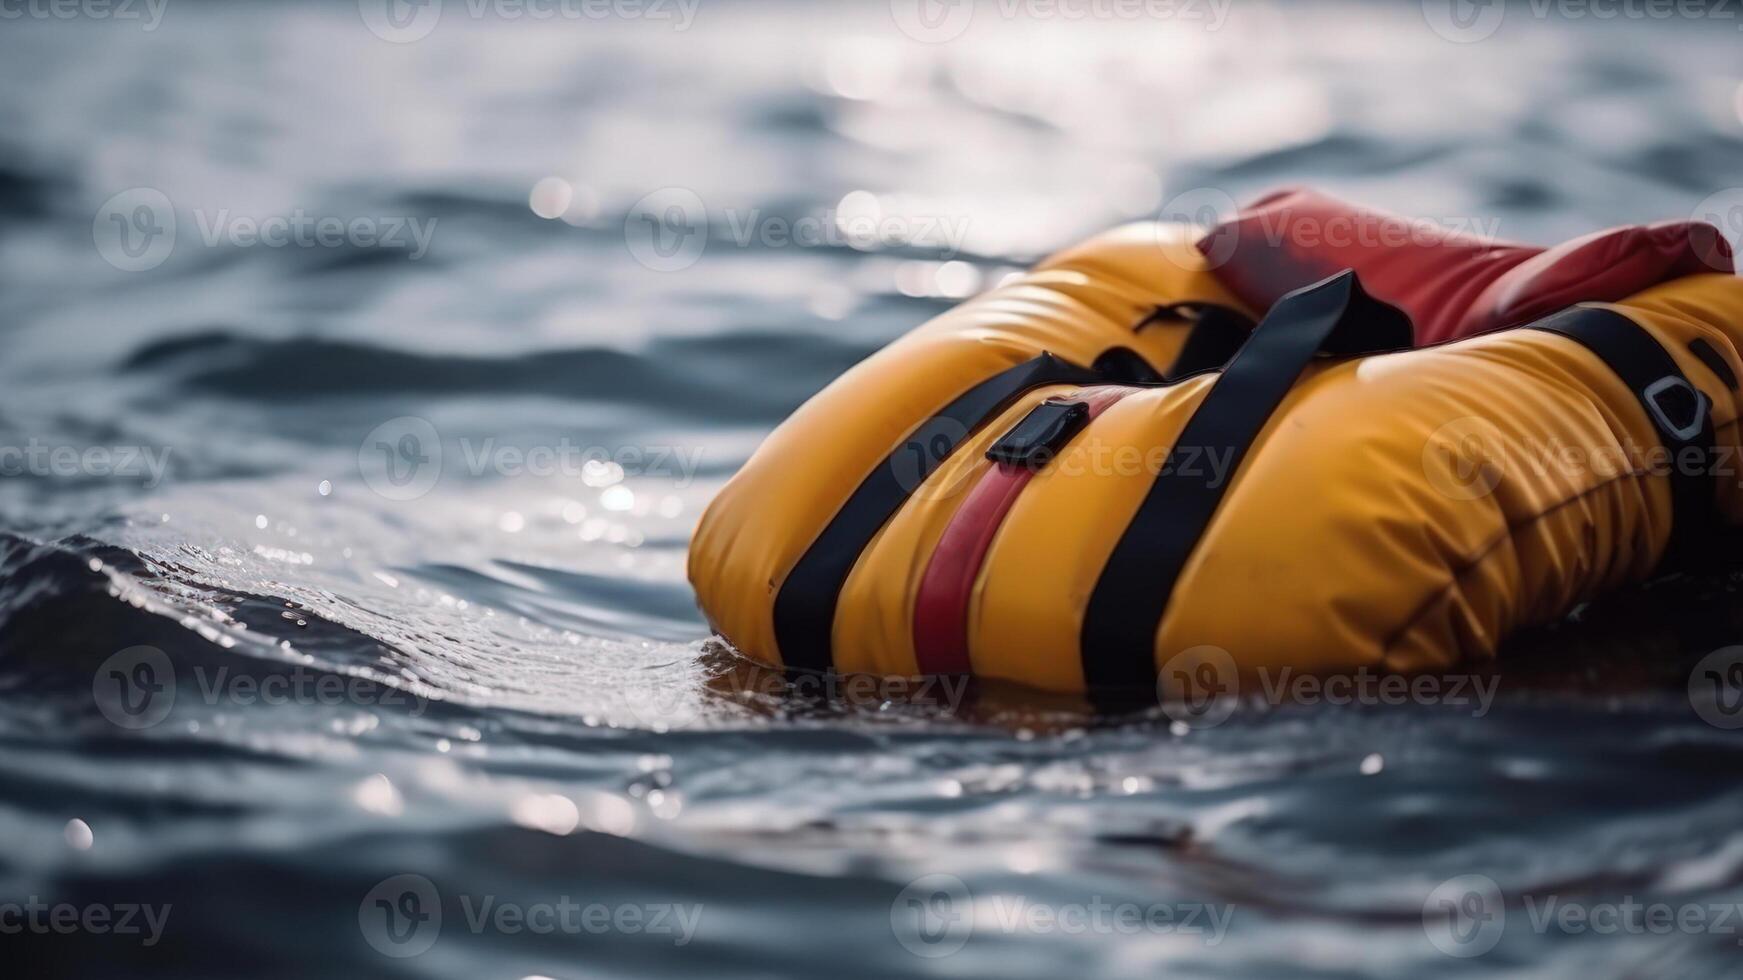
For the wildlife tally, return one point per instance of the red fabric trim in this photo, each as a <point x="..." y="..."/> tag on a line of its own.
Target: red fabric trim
<point x="947" y="585"/>
<point x="1453" y="285"/>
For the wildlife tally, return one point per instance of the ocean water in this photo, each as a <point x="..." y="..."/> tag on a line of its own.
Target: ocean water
<point x="343" y="622"/>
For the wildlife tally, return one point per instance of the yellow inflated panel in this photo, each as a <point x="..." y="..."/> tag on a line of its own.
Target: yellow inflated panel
<point x="1028" y="605"/>
<point x="1404" y="512"/>
<point x="1077" y="306"/>
<point x="1404" y="496"/>
<point x="1708" y="308"/>
<point x="1409" y="511"/>
<point x="874" y="623"/>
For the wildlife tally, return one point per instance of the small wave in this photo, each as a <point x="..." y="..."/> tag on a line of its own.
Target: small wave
<point x="722" y="377"/>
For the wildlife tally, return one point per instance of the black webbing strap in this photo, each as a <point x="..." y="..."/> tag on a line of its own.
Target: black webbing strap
<point x="1680" y="413"/>
<point x="1125" y="610"/>
<point x="805" y="606"/>
<point x="1217" y="333"/>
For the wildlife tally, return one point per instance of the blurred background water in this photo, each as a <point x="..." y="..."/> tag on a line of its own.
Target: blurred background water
<point x="366" y="369"/>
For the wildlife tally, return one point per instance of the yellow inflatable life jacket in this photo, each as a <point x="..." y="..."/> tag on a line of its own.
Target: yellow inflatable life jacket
<point x="1068" y="482"/>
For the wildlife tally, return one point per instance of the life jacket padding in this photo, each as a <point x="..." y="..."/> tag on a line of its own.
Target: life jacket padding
<point x="1077" y="305"/>
<point x="1358" y="532"/>
<point x="1405" y="511"/>
<point x="1368" y="532"/>
<point x="1453" y="284"/>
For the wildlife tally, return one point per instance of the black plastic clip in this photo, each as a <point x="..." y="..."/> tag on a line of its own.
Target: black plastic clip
<point x="1041" y="434"/>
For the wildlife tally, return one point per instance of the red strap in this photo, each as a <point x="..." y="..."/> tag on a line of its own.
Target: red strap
<point x="947" y="585"/>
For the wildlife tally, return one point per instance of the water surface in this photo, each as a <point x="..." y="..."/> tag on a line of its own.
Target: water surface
<point x="528" y="710"/>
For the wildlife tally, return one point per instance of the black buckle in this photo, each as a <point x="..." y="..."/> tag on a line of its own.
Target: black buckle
<point x="1671" y="396"/>
<point x="1041" y="434"/>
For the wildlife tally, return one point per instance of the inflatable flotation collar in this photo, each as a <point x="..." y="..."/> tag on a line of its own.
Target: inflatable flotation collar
<point x="1069" y="481"/>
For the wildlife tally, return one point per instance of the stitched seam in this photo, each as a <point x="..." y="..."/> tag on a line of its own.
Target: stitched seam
<point x="1488" y="550"/>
